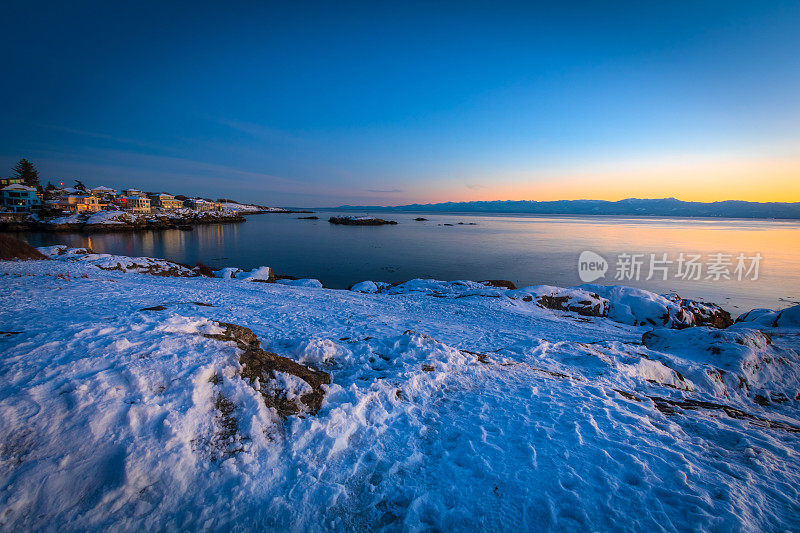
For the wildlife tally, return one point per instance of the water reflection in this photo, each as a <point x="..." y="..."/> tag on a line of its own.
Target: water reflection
<point x="525" y="249"/>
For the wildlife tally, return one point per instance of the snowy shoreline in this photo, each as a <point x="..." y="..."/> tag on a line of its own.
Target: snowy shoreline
<point x="119" y="221"/>
<point x="151" y="396"/>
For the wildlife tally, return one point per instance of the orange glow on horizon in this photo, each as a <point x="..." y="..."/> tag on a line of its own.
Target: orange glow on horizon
<point x="755" y="180"/>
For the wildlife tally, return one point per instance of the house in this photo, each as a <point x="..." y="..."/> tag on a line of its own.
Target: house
<point x="19" y="198"/>
<point x="11" y="181"/>
<point x="103" y="192"/>
<point x="80" y="203"/>
<point x="198" y="204"/>
<point x="165" y="201"/>
<point x="133" y="193"/>
<point x="134" y="204"/>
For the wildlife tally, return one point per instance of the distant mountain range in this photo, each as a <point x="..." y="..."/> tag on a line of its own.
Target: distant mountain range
<point x="663" y="207"/>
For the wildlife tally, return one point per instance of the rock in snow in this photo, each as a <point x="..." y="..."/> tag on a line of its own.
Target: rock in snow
<point x="138" y="401"/>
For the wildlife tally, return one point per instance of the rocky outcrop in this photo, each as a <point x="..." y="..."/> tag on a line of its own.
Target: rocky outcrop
<point x="591" y="306"/>
<point x="285" y="385"/>
<point x="704" y="314"/>
<point x="360" y="221"/>
<point x="11" y="248"/>
<point x="500" y="283"/>
<point x="113" y="221"/>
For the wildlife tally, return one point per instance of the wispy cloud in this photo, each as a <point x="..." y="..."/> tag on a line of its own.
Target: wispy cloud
<point x="261" y="132"/>
<point x="384" y="190"/>
<point x="99" y="135"/>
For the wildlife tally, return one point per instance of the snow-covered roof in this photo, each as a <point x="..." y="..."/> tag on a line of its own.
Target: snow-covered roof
<point x="103" y="188"/>
<point x="18" y="187"/>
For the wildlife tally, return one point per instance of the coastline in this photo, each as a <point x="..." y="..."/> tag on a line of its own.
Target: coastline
<point x="120" y="221"/>
<point x="190" y="384"/>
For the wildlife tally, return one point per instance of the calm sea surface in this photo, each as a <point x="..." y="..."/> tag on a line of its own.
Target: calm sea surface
<point x="527" y="250"/>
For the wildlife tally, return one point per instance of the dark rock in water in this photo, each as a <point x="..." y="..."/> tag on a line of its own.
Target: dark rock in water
<point x="308" y="218"/>
<point x="259" y="365"/>
<point x="500" y="283"/>
<point x="446" y="224"/>
<point x="705" y="314"/>
<point x="154" y="308"/>
<point x="354" y="221"/>
<point x="420" y="219"/>
<point x="11" y="248"/>
<point x="185" y="227"/>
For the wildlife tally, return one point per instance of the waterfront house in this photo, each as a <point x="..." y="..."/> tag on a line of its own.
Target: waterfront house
<point x="11" y="181"/>
<point x="134" y="204"/>
<point x="129" y="193"/>
<point x="165" y="201"/>
<point x="19" y="198"/>
<point x="80" y="203"/>
<point x="102" y="192"/>
<point x="198" y="204"/>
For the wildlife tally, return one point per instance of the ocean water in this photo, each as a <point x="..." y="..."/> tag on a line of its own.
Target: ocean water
<point x="528" y="250"/>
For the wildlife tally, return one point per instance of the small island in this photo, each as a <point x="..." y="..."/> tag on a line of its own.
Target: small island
<point x="360" y="221"/>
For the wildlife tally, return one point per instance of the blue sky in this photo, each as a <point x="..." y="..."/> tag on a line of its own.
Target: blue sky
<point x="310" y="104"/>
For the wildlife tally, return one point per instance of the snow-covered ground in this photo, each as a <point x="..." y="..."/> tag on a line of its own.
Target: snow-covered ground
<point x="452" y="406"/>
<point x="246" y="208"/>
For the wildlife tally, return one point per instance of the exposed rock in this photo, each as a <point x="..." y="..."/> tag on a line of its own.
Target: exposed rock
<point x="500" y="283"/>
<point x="308" y="218"/>
<point x="667" y="406"/>
<point x="420" y="219"/>
<point x="154" y="308"/>
<point x="266" y="369"/>
<point x="360" y="221"/>
<point x="204" y="270"/>
<point x="582" y="302"/>
<point x="705" y="314"/>
<point x="11" y="248"/>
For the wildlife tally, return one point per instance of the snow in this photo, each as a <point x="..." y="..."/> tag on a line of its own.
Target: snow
<point x="765" y="317"/>
<point x="241" y="208"/>
<point x="789" y="318"/>
<point x="18" y="187"/>
<point x="262" y="273"/>
<point x="634" y="306"/>
<point x="112" y="217"/>
<point x="452" y="406"/>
